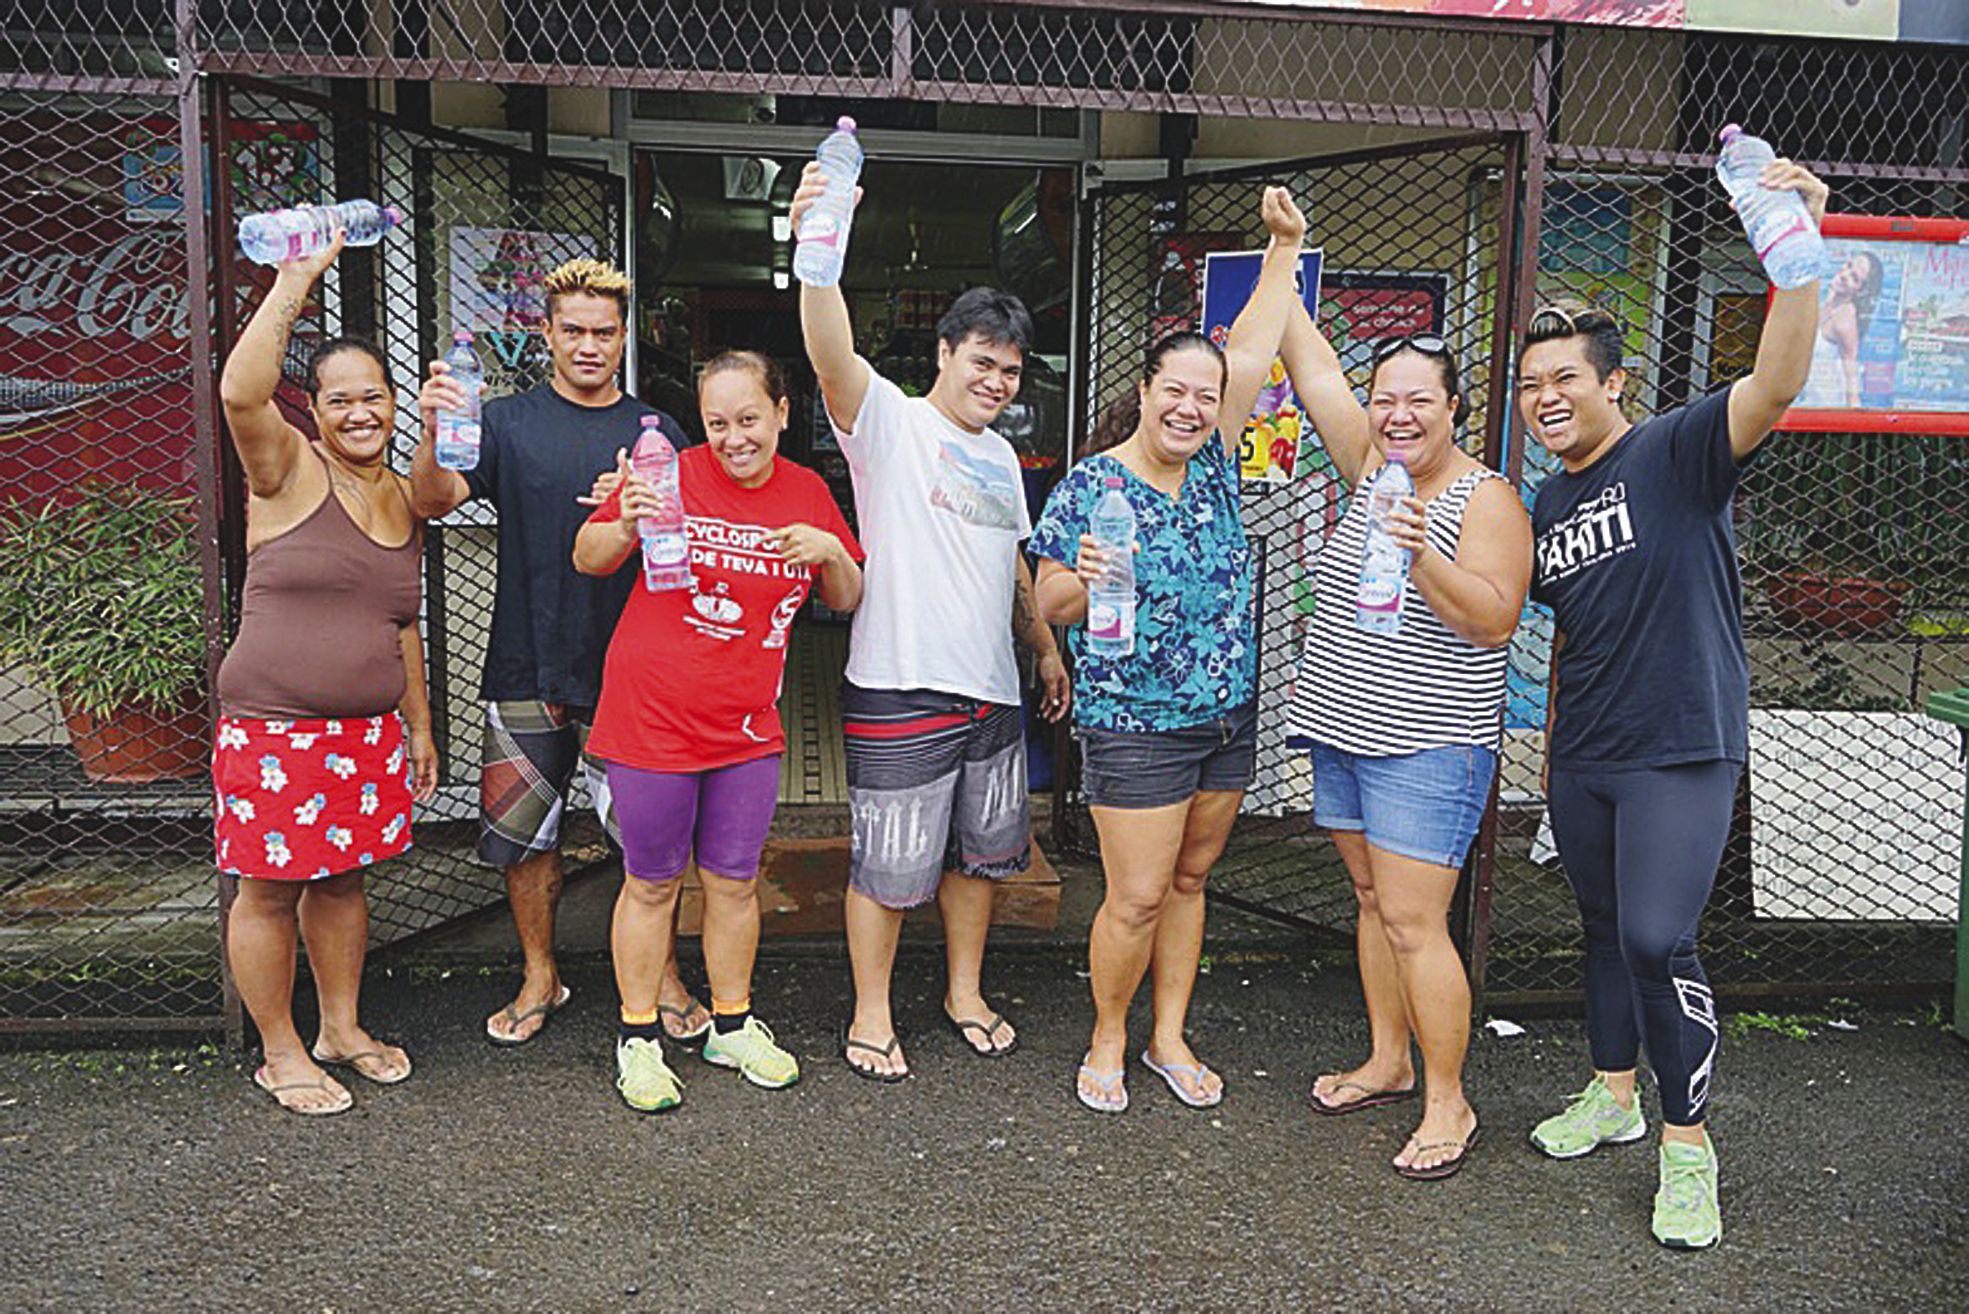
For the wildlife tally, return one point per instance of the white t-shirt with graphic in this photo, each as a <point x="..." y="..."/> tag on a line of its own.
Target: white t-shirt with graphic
<point x="941" y="513"/>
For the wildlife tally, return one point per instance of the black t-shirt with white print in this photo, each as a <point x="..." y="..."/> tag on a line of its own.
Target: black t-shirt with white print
<point x="1637" y="559"/>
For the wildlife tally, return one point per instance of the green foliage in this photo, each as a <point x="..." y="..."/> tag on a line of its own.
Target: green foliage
<point x="1792" y="1026"/>
<point x="102" y="598"/>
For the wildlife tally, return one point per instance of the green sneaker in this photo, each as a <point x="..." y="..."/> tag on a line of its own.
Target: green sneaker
<point x="645" y="1080"/>
<point x="1687" y="1215"/>
<point x="753" y="1051"/>
<point x="1592" y="1118"/>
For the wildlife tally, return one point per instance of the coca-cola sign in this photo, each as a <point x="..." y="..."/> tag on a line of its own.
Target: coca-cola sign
<point x="95" y="369"/>
<point x="133" y="291"/>
<point x="96" y="377"/>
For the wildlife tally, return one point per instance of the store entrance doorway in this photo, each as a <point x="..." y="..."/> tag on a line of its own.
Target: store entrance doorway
<point x="713" y="269"/>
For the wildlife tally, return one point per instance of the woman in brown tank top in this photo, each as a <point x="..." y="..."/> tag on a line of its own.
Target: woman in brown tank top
<point x="325" y="727"/>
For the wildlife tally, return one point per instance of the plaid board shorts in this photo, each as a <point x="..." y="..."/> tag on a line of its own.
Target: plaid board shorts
<point x="936" y="783"/>
<point x="527" y="763"/>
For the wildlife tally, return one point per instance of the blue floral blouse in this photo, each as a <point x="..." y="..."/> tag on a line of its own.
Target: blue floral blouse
<point x="1195" y="641"/>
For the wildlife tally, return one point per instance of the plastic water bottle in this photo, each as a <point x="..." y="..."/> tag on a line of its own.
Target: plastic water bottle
<point x="281" y="235"/>
<point x="1384" y="562"/>
<point x="666" y="550"/>
<point x="1111" y="601"/>
<point x="1780" y="227"/>
<point x="458" y="430"/>
<point x="823" y="245"/>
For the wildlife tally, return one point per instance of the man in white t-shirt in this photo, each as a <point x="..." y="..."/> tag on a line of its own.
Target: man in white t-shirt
<point x="935" y="748"/>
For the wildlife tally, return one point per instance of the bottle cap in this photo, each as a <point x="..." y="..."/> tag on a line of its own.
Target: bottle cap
<point x="1112" y="481"/>
<point x="392" y="216"/>
<point x="845" y="124"/>
<point x="1396" y="457"/>
<point x="652" y="421"/>
<point x="463" y="337"/>
<point x="1730" y="132"/>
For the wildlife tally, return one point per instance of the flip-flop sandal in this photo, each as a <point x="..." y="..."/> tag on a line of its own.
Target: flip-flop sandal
<point x="514" y="1019"/>
<point x="1449" y="1167"/>
<point x="989" y="1030"/>
<point x="1113" y="1096"/>
<point x="355" y="1062"/>
<point x="266" y="1083"/>
<point x="1172" y="1074"/>
<point x="1370" y="1099"/>
<point x="848" y="1043"/>
<point x="668" y="1011"/>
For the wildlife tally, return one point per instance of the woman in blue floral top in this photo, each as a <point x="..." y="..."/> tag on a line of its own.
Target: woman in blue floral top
<point x="1168" y="732"/>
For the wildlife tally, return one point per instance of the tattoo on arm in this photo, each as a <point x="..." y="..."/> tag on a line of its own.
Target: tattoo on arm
<point x="1024" y="615"/>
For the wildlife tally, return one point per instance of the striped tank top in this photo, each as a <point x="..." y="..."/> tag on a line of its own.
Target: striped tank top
<point x="1380" y="695"/>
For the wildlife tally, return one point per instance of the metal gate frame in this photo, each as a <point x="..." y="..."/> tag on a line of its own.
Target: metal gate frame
<point x="376" y="153"/>
<point x="1071" y="831"/>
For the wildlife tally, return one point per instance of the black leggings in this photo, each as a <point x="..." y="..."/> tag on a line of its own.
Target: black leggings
<point x="1641" y="849"/>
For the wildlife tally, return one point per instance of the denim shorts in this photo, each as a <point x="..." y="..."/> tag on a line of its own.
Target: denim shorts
<point x="1424" y="805"/>
<point x="1155" y="768"/>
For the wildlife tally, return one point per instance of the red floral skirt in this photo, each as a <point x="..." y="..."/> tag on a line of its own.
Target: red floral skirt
<point x="299" y="800"/>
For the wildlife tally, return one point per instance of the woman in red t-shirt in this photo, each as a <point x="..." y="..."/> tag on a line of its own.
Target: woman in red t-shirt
<point x="688" y="722"/>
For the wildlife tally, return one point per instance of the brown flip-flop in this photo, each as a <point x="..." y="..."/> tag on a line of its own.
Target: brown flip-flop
<point x="355" y="1062"/>
<point x="989" y="1030"/>
<point x="544" y="1011"/>
<point x="1449" y="1167"/>
<point x="1370" y="1098"/>
<point x="848" y="1043"/>
<point x="266" y="1083"/>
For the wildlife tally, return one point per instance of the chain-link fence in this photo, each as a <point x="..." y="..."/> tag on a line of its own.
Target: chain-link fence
<point x="1840" y="874"/>
<point x="1386" y="269"/>
<point x="108" y="904"/>
<point x="106" y="894"/>
<point x="1841" y="869"/>
<point x="483" y="225"/>
<point x="1592" y="181"/>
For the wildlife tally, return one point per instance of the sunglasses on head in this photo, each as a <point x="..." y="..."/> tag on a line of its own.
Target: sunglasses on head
<point x="1429" y="344"/>
<point x="1551" y="314"/>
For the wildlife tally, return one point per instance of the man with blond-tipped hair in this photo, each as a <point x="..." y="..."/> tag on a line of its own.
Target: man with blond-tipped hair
<point x="540" y="452"/>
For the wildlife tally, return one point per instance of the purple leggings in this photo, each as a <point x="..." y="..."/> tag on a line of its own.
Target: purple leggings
<point x="722" y="815"/>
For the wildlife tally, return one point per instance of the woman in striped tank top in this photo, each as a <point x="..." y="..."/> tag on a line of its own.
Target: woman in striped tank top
<point x="1404" y="727"/>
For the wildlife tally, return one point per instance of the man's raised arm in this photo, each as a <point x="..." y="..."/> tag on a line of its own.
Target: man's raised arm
<point x="824" y="322"/>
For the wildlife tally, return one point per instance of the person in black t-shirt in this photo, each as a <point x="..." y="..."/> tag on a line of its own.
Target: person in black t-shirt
<point x="1648" y="721"/>
<point x="539" y="454"/>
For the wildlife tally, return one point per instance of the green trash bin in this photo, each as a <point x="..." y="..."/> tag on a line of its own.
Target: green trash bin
<point x="1953" y="707"/>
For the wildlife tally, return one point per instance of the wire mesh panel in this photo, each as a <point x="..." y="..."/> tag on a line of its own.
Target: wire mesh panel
<point x="107" y="906"/>
<point x="51" y="45"/>
<point x="1396" y="231"/>
<point x="1189" y="58"/>
<point x="483" y="225"/>
<point x="1841" y="871"/>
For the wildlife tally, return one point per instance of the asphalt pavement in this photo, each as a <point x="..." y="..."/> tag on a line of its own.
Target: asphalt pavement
<point x="515" y="1180"/>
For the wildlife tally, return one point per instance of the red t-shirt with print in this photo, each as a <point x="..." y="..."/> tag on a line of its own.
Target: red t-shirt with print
<point x="693" y="675"/>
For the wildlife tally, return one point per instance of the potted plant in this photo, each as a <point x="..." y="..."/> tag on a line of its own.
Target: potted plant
<point x="102" y="602"/>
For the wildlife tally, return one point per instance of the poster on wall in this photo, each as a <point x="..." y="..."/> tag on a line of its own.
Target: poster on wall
<point x="1601" y="243"/>
<point x="1269" y="449"/>
<point x="499" y="287"/>
<point x="1359" y="309"/>
<point x="1892" y="349"/>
